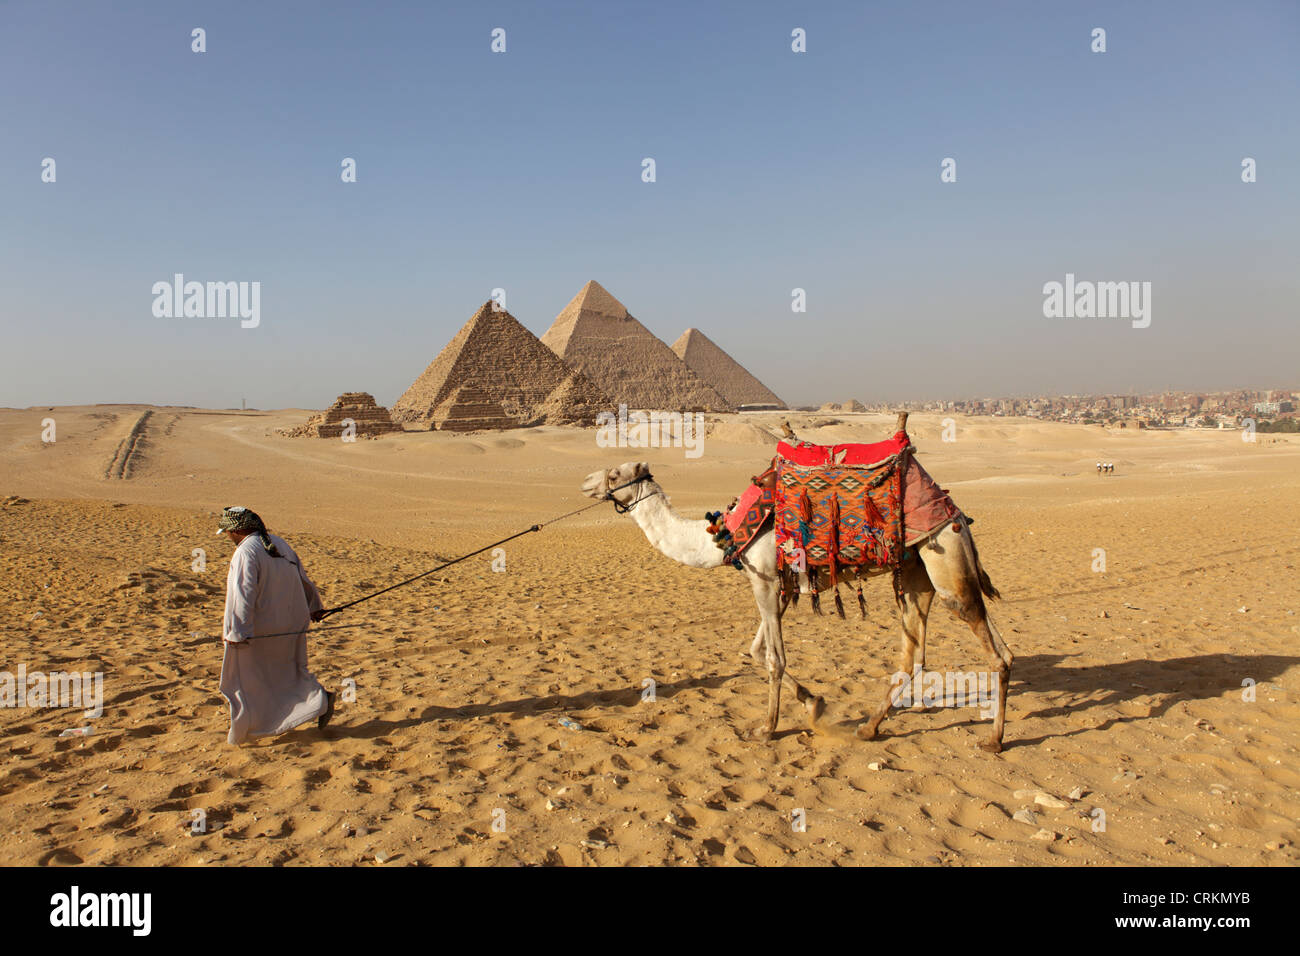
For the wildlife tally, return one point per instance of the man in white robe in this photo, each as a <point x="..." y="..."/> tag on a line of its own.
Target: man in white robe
<point x="265" y="678"/>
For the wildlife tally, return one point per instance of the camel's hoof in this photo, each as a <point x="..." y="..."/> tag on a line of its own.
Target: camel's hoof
<point x="816" y="707"/>
<point x="991" y="746"/>
<point x="760" y="734"/>
<point x="866" y="732"/>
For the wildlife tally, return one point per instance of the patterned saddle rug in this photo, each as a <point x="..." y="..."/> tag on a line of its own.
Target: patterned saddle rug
<point x="840" y="505"/>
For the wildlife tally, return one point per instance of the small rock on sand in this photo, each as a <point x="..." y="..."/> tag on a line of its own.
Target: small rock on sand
<point x="1025" y="816"/>
<point x="1047" y="800"/>
<point x="1047" y="835"/>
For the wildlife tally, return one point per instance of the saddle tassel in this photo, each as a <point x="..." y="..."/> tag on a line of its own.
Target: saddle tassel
<point x="874" y="517"/>
<point x="862" y="603"/>
<point x="839" y="605"/>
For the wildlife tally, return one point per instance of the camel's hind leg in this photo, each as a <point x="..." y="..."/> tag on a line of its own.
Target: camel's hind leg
<point x="1000" y="660"/>
<point x="953" y="568"/>
<point x="917" y="594"/>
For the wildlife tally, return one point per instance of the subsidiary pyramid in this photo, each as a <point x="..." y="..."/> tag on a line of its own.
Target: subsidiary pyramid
<point x="503" y="364"/>
<point x="728" y="377"/>
<point x="470" y="409"/>
<point x="595" y="335"/>
<point x="368" y="419"/>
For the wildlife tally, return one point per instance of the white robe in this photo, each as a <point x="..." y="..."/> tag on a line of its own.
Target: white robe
<point x="266" y="679"/>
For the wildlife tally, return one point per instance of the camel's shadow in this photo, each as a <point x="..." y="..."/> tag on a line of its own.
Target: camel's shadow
<point x="1168" y="682"/>
<point x="623" y="698"/>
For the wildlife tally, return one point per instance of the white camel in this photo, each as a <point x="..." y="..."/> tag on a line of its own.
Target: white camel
<point x="946" y="564"/>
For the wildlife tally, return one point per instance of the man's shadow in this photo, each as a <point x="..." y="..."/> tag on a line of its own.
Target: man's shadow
<point x="623" y="698"/>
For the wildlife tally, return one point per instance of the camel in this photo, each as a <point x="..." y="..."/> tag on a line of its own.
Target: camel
<point x="947" y="564"/>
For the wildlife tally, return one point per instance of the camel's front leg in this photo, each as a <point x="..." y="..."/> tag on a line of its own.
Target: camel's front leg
<point x="756" y="648"/>
<point x="767" y="594"/>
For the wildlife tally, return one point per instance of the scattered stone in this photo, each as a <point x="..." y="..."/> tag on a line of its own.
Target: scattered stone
<point x="671" y="819"/>
<point x="554" y="805"/>
<point x="875" y="765"/>
<point x="595" y="844"/>
<point x="1024" y="816"/>
<point x="1047" y="800"/>
<point x="1077" y="793"/>
<point x="1048" y="835"/>
<point x="1124" y="775"/>
<point x="1165" y="841"/>
<point x="1103" y="614"/>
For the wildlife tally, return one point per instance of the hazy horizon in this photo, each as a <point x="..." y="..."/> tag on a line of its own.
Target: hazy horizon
<point x="775" y="170"/>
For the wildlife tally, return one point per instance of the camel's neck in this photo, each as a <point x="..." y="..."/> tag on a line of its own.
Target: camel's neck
<point x="685" y="541"/>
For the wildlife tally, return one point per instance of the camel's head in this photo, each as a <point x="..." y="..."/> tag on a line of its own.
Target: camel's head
<point x="599" y="483"/>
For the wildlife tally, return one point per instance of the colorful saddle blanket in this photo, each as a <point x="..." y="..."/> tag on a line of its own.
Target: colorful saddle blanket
<point x="838" y="481"/>
<point x="840" y="504"/>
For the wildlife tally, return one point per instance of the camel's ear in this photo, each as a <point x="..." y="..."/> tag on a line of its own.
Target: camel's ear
<point x="642" y="469"/>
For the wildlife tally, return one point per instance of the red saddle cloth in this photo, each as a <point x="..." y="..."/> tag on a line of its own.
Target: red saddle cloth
<point x="752" y="510"/>
<point x="875" y="453"/>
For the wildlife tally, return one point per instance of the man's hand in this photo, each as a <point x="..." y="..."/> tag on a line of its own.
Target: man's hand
<point x="318" y="615"/>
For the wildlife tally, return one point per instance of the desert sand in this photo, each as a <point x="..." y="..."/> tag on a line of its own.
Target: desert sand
<point x="1127" y="689"/>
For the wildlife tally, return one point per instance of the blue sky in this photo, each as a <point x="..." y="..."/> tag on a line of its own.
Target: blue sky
<point x="522" y="170"/>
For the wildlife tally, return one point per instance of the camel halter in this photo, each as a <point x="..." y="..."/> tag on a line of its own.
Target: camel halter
<point x="624" y="509"/>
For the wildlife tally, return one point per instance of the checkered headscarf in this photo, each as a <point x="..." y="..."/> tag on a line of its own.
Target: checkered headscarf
<point x="241" y="519"/>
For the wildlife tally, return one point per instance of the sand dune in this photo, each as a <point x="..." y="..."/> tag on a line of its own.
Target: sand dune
<point x="1127" y="689"/>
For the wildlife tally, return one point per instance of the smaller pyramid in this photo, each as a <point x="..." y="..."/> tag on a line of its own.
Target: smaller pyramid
<point x="470" y="409"/>
<point x="852" y="405"/>
<point x="370" y="420"/>
<point x="728" y="377"/>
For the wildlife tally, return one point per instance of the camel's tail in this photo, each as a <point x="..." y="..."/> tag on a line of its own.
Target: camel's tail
<point x="986" y="586"/>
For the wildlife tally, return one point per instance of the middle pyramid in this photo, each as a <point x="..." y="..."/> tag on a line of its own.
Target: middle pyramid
<point x="495" y="360"/>
<point x="596" y="335"/>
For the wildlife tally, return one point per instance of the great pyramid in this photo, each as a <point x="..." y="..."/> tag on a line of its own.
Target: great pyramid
<point x="496" y="355"/>
<point x="728" y="377"/>
<point x="596" y="335"/>
<point x="370" y="420"/>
